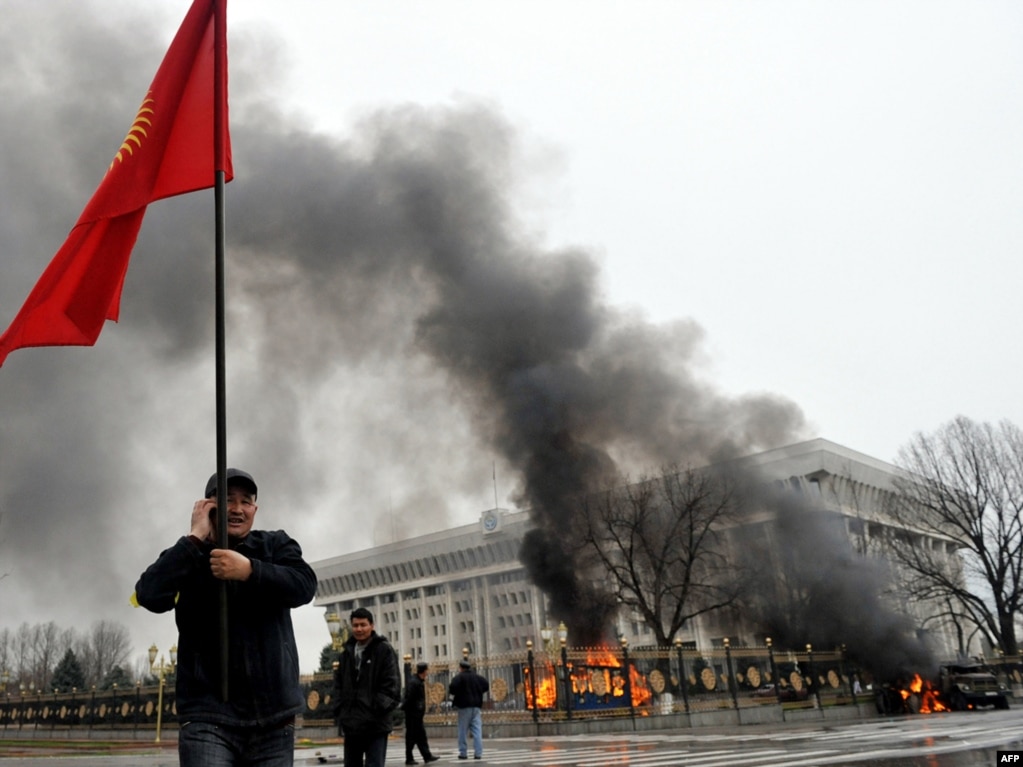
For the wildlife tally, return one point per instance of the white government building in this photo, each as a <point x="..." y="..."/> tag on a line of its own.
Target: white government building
<point x="436" y="594"/>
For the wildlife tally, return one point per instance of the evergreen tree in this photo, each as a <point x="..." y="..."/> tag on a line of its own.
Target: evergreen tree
<point x="118" y="676"/>
<point x="328" y="656"/>
<point x="68" y="673"/>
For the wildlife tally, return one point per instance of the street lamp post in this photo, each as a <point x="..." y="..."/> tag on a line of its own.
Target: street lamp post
<point x="138" y="702"/>
<point x="683" y="681"/>
<point x="338" y="635"/>
<point x="774" y="669"/>
<point x="627" y="673"/>
<point x="813" y="679"/>
<point x="566" y="670"/>
<point x="731" y="674"/>
<point x="843" y="672"/>
<point x="532" y="683"/>
<point x="547" y="634"/>
<point x="161" y="669"/>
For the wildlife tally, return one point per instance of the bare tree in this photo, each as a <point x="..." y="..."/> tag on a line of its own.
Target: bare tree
<point x="963" y="495"/>
<point x="47" y="648"/>
<point x="105" y="647"/>
<point x="7" y="652"/>
<point x="661" y="542"/>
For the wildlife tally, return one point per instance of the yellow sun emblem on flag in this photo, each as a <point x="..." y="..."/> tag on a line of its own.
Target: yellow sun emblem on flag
<point x="136" y="132"/>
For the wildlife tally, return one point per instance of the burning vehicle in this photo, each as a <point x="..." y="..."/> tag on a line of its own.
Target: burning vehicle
<point x="961" y="687"/>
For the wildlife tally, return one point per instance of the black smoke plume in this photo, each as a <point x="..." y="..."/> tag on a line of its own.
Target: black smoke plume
<point x="823" y="591"/>
<point x="393" y="327"/>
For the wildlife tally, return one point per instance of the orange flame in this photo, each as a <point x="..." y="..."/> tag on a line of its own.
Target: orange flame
<point x="641" y="693"/>
<point x="605" y="656"/>
<point x="546" y="688"/>
<point x="599" y="675"/>
<point x="929" y="702"/>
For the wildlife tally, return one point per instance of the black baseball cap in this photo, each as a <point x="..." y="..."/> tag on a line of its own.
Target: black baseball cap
<point x="234" y="476"/>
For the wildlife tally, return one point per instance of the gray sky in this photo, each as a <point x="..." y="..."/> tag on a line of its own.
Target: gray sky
<point x="814" y="201"/>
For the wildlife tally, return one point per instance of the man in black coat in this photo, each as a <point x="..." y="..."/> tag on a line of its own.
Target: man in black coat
<point x="414" y="706"/>
<point x="367" y="688"/>
<point x="266" y="578"/>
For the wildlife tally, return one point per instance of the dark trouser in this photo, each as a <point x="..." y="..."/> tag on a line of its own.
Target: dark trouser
<point x="201" y="744"/>
<point x="372" y="747"/>
<point x="415" y="737"/>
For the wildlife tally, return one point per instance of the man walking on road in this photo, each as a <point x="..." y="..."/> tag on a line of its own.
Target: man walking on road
<point x="414" y="706"/>
<point x="467" y="690"/>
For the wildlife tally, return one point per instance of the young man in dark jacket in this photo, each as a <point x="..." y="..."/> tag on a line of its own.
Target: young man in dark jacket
<point x="414" y="706"/>
<point x="266" y="578"/>
<point x="367" y="688"/>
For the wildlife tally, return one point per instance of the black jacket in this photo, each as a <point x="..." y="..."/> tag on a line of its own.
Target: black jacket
<point x="414" y="702"/>
<point x="467" y="689"/>
<point x="367" y="695"/>
<point x="263" y="686"/>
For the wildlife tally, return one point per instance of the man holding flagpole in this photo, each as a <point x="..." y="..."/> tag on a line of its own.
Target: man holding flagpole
<point x="267" y="578"/>
<point x="179" y="142"/>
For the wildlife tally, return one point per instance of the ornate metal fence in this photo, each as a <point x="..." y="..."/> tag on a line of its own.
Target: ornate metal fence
<point x="550" y="683"/>
<point x="556" y="682"/>
<point x="115" y="709"/>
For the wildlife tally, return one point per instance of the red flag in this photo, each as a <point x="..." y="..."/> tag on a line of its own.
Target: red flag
<point x="170" y="149"/>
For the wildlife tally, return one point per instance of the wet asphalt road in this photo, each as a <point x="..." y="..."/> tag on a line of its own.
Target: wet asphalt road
<point x="959" y="739"/>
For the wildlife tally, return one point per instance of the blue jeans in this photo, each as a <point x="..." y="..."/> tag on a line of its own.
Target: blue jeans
<point x="470" y="720"/>
<point x="201" y="744"/>
<point x="373" y="747"/>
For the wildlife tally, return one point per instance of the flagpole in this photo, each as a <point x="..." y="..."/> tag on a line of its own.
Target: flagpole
<point x="219" y="118"/>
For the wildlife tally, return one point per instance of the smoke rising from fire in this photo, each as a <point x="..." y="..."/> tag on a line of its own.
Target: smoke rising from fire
<point x="394" y="328"/>
<point x="824" y="592"/>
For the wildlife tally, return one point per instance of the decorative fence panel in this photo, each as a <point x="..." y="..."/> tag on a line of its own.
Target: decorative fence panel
<point x="549" y="683"/>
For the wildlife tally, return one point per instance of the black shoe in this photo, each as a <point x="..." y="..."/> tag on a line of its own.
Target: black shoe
<point x="411" y="761"/>
<point x="432" y="758"/>
<point x="462" y="756"/>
